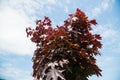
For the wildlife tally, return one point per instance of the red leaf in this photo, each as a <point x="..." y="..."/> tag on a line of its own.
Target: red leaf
<point x="93" y="22"/>
<point x="47" y="21"/>
<point x="80" y="13"/>
<point x="66" y="23"/>
<point x="37" y="28"/>
<point x="38" y="21"/>
<point x="98" y="37"/>
<point x="97" y="44"/>
<point x="71" y="15"/>
<point x="33" y="39"/>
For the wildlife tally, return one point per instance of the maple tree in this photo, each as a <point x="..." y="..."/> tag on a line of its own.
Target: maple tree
<point x="65" y="52"/>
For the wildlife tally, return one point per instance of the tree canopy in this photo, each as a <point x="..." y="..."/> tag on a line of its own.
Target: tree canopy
<point x="65" y="52"/>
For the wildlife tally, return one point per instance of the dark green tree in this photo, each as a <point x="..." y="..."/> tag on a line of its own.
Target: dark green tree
<point x="65" y="52"/>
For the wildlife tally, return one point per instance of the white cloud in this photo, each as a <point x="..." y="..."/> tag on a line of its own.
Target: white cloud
<point x="12" y="32"/>
<point x="105" y="4"/>
<point x="52" y="1"/>
<point x="110" y="38"/>
<point x="68" y="1"/>
<point x="15" y="16"/>
<point x="106" y="31"/>
<point x="108" y="59"/>
<point x="28" y="7"/>
<point x="66" y="9"/>
<point x="31" y="7"/>
<point x="8" y="71"/>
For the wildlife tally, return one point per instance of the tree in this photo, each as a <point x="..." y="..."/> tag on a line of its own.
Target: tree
<point x="65" y="52"/>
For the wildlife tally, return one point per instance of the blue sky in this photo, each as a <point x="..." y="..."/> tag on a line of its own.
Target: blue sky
<point x="16" y="49"/>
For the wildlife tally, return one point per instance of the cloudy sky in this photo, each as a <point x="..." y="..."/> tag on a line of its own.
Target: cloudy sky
<point x="16" y="50"/>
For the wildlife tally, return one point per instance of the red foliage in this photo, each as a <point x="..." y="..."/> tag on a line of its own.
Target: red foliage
<point x="72" y="41"/>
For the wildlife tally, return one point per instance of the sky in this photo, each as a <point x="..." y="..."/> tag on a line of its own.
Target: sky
<point x="16" y="50"/>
